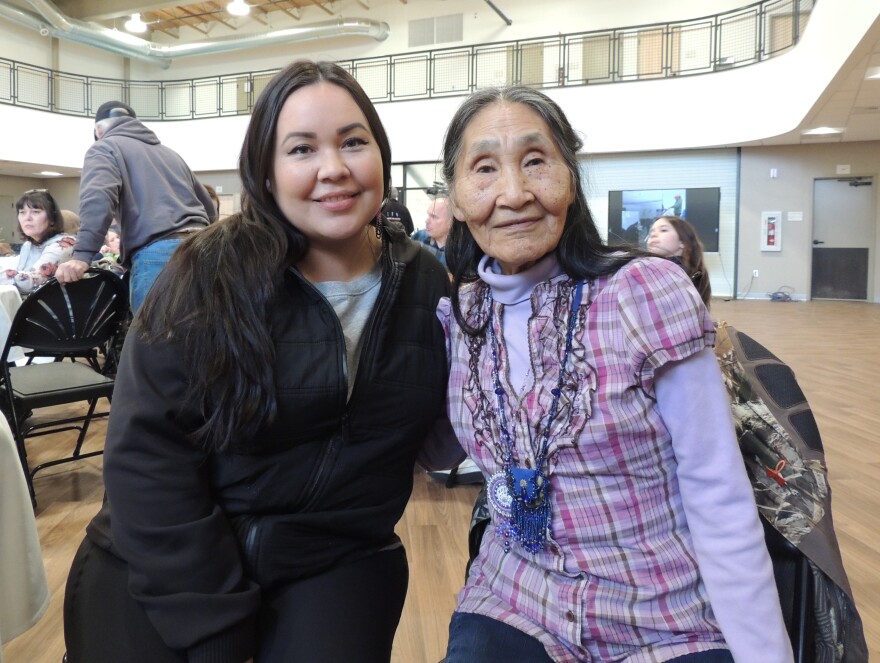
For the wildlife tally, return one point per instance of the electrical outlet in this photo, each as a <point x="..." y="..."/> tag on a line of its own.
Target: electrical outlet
<point x="755" y="273"/>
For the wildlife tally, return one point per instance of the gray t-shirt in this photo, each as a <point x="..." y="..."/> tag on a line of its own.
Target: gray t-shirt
<point x="353" y="302"/>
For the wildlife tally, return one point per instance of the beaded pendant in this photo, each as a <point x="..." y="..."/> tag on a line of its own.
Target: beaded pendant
<point x="521" y="496"/>
<point x="530" y="508"/>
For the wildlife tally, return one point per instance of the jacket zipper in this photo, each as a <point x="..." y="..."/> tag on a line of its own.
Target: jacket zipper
<point x="331" y="447"/>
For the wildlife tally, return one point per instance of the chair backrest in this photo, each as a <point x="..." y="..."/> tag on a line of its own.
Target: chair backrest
<point x="61" y="319"/>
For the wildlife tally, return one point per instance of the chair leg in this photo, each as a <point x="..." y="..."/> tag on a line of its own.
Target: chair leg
<point x="77" y="451"/>
<point x="85" y="427"/>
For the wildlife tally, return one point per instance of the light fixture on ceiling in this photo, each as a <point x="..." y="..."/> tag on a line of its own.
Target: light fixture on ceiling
<point x="135" y="24"/>
<point x="49" y="173"/>
<point x="872" y="74"/>
<point x="822" y="131"/>
<point x="238" y="8"/>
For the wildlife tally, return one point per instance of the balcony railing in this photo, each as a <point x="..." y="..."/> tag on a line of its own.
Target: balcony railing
<point x="723" y="41"/>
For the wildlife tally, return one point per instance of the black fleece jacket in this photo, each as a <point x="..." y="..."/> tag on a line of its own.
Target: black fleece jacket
<point x="326" y="482"/>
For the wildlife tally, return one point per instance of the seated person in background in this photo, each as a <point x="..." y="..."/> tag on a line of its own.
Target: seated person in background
<point x="674" y="238"/>
<point x="111" y="243"/>
<point x="6" y="250"/>
<point x="108" y="256"/>
<point x="71" y="221"/>
<point x="47" y="245"/>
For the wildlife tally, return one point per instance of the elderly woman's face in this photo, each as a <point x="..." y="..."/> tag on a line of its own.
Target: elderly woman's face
<point x="512" y="186"/>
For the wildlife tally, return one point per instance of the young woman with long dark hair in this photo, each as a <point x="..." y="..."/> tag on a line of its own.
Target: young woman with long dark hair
<point x="676" y="239"/>
<point x="274" y="394"/>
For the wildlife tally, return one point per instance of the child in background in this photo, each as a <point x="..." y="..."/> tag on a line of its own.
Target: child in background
<point x="111" y="243"/>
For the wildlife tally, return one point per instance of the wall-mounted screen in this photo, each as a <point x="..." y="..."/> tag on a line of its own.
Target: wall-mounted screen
<point x="631" y="213"/>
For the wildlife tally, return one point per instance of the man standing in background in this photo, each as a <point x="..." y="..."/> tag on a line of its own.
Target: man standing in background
<point x="437" y="226"/>
<point x="128" y="174"/>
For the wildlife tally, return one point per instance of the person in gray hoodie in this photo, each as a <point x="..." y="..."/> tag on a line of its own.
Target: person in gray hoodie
<point x="155" y="197"/>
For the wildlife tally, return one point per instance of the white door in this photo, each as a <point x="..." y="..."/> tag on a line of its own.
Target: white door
<point x="843" y="237"/>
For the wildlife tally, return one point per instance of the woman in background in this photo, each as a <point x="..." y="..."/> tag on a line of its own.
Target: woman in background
<point x="71" y="221"/>
<point x="47" y="245"/>
<point x="674" y="238"/>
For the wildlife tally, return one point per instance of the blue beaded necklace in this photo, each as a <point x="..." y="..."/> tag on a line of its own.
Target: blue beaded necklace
<point x="520" y="495"/>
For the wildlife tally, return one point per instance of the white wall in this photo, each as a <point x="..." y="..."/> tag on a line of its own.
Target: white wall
<point x="673" y="170"/>
<point x="797" y="168"/>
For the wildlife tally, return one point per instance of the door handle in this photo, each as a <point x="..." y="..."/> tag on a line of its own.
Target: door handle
<point x="816" y="241"/>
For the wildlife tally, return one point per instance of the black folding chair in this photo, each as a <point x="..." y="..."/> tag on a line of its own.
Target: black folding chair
<point x="57" y="321"/>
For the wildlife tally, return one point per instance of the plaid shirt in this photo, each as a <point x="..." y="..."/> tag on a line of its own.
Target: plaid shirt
<point x="618" y="577"/>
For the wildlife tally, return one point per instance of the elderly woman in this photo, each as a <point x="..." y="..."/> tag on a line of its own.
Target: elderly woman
<point x="674" y="238"/>
<point x="583" y="384"/>
<point x="47" y="245"/>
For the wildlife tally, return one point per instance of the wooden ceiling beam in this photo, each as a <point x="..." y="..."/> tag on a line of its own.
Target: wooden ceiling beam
<point x="317" y="3"/>
<point x="209" y="16"/>
<point x="263" y="20"/>
<point x="289" y="8"/>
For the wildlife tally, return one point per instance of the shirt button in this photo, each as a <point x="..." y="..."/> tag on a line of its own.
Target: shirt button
<point x="569" y="615"/>
<point x="529" y="463"/>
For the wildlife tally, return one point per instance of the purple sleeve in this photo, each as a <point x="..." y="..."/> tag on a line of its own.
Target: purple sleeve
<point x="720" y="509"/>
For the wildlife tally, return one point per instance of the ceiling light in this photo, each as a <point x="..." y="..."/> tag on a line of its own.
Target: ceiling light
<point x="49" y="173"/>
<point x="135" y="24"/>
<point x="238" y="8"/>
<point x="822" y="131"/>
<point x="872" y="74"/>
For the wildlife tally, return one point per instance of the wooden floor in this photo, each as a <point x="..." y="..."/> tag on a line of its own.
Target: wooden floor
<point x="834" y="349"/>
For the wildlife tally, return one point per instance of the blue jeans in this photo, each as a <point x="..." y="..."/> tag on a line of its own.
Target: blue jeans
<point x="478" y="639"/>
<point x="145" y="267"/>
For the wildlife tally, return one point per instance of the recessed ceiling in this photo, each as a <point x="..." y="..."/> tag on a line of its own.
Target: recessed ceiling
<point x="35" y="170"/>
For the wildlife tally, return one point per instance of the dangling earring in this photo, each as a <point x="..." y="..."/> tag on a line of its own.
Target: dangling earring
<point x="379" y="225"/>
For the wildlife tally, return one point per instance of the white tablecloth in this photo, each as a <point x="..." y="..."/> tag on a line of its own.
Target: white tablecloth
<point x="24" y="593"/>
<point x="10" y="301"/>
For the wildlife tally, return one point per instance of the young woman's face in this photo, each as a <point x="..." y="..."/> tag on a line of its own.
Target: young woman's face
<point x="512" y="186"/>
<point x="34" y="222"/>
<point x="327" y="171"/>
<point x="663" y="240"/>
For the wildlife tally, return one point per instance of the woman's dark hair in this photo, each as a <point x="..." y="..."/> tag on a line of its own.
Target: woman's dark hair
<point x="691" y="256"/>
<point x="41" y="199"/>
<point x="581" y="251"/>
<point x="215" y="296"/>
